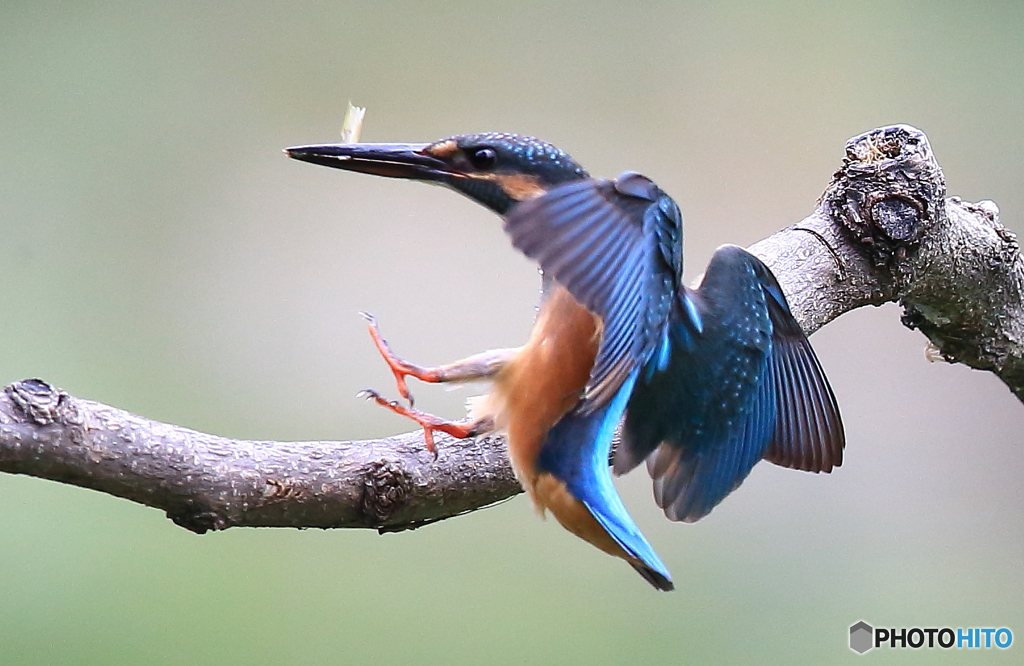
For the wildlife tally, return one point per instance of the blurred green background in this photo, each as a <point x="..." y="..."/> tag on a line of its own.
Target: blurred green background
<point x="161" y="254"/>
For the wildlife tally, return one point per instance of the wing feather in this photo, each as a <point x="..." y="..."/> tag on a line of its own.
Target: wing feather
<point x="809" y="433"/>
<point x="600" y="240"/>
<point x="741" y="383"/>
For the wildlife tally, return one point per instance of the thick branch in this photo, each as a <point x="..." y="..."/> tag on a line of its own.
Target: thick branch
<point x="883" y="231"/>
<point x="205" y="482"/>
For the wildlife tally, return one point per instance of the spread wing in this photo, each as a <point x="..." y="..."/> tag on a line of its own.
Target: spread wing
<point x="747" y="386"/>
<point x="616" y="248"/>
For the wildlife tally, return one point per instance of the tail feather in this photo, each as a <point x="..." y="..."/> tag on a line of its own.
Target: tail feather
<point x="658" y="580"/>
<point x="576" y="453"/>
<point x="641" y="555"/>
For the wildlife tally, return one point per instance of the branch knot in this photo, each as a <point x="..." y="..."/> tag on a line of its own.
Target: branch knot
<point x="888" y="192"/>
<point x="40" y="402"/>
<point x="385" y="488"/>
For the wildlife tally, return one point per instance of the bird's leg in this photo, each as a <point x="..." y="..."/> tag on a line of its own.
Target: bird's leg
<point x="478" y="366"/>
<point x="430" y="423"/>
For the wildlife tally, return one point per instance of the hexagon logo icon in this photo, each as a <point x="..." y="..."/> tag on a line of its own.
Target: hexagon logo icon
<point x="862" y="636"/>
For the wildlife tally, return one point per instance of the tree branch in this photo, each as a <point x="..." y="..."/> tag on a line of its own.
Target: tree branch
<point x="883" y="231"/>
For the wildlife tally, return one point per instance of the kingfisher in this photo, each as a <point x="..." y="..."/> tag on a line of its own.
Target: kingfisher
<point x="704" y="381"/>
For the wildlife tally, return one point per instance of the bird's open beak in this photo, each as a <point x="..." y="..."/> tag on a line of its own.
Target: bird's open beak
<point x="392" y="160"/>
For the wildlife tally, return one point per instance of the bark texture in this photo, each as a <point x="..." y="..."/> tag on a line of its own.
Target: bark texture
<point x="883" y="231"/>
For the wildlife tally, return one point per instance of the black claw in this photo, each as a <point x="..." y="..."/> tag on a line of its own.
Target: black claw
<point x="370" y="319"/>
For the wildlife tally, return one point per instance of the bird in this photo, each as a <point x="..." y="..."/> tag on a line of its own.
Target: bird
<point x="705" y="381"/>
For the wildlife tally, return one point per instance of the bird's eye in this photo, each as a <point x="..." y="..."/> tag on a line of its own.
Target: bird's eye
<point x="483" y="158"/>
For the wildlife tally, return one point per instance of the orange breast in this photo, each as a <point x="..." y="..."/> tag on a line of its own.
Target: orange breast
<point x="534" y="391"/>
<point x="546" y="379"/>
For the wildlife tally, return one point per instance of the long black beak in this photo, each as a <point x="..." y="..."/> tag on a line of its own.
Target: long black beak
<point x="393" y="160"/>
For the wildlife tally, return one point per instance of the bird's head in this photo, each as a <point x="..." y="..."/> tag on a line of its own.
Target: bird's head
<point x="494" y="169"/>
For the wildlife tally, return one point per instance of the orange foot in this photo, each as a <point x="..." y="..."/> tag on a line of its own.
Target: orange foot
<point x="400" y="368"/>
<point x="428" y="422"/>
